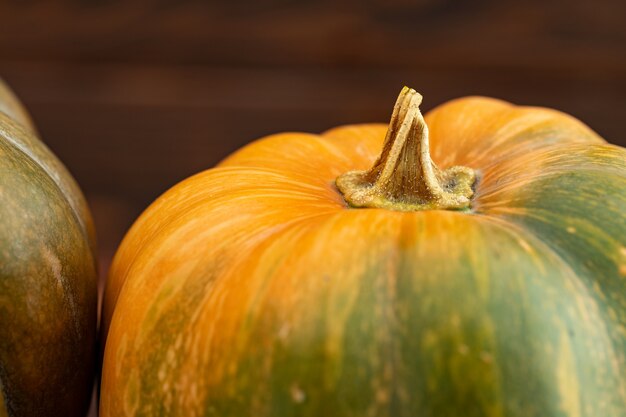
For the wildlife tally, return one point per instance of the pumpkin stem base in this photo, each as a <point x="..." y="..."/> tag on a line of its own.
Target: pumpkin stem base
<point x="404" y="177"/>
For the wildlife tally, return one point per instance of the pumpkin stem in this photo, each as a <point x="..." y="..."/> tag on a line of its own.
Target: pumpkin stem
<point x="404" y="177"/>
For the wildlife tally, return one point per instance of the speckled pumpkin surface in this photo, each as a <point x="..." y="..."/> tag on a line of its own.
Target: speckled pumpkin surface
<point x="254" y="289"/>
<point x="48" y="280"/>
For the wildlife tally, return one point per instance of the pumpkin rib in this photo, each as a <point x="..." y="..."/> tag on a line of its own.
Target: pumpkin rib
<point x="161" y="202"/>
<point x="149" y="229"/>
<point x="302" y="153"/>
<point x="530" y="131"/>
<point x="11" y="132"/>
<point x="520" y="172"/>
<point x="585" y="280"/>
<point x="469" y="140"/>
<point x="361" y="143"/>
<point x="585" y="235"/>
<point x="76" y="220"/>
<point x="537" y="241"/>
<point x="581" y="225"/>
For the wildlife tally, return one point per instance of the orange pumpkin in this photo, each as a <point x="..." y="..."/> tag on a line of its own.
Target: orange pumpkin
<point x="312" y="275"/>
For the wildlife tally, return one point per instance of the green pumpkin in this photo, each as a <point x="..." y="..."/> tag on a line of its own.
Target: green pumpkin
<point x="48" y="277"/>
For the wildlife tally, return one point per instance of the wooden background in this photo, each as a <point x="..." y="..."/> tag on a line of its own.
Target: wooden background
<point x="135" y="95"/>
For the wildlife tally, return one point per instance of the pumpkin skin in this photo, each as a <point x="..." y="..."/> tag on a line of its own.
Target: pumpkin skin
<point x="252" y="289"/>
<point x="48" y="278"/>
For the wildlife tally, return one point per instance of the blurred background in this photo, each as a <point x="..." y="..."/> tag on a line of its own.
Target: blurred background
<point x="134" y="96"/>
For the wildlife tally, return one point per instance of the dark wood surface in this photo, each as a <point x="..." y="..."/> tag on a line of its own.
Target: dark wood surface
<point x="134" y="96"/>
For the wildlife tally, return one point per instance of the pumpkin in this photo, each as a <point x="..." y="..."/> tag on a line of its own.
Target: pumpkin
<point x="353" y="274"/>
<point x="48" y="280"/>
